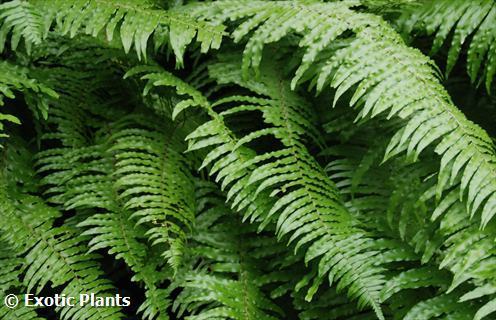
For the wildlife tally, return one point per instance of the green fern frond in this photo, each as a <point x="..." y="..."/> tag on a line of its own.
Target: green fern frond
<point x="444" y="236"/>
<point x="487" y="308"/>
<point x="10" y="272"/>
<point x="469" y="256"/>
<point x="394" y="208"/>
<point x="464" y="23"/>
<point x="155" y="183"/>
<point x="135" y="22"/>
<point x="155" y="76"/>
<point x="110" y="160"/>
<point x="323" y="229"/>
<point x="389" y="6"/>
<point x="238" y="299"/>
<point x="14" y="78"/>
<point x="21" y="20"/>
<point x="330" y="305"/>
<point x="384" y="76"/>
<point x="119" y="234"/>
<point x="227" y="74"/>
<point x="88" y="184"/>
<point x="19" y="313"/>
<point x="228" y="283"/>
<point x="414" y="278"/>
<point x="10" y="264"/>
<point x="156" y="303"/>
<point x="443" y="305"/>
<point x="384" y="210"/>
<point x="116" y="232"/>
<point x="54" y="255"/>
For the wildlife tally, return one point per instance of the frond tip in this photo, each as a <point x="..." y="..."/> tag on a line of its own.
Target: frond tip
<point x="470" y="23"/>
<point x="21" y="20"/>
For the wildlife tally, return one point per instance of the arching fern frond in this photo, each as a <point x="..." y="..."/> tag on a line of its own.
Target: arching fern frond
<point x="118" y="233"/>
<point x="444" y="237"/>
<point x="232" y="259"/>
<point x="155" y="76"/>
<point x="155" y="183"/>
<point x="88" y="186"/>
<point x="383" y="231"/>
<point x="444" y="305"/>
<point x="93" y="186"/>
<point x="102" y="177"/>
<point x="361" y="54"/>
<point x="135" y="22"/>
<point x="464" y="23"/>
<point x="310" y="214"/>
<point x="469" y="256"/>
<point x="54" y="255"/>
<point x="21" y="20"/>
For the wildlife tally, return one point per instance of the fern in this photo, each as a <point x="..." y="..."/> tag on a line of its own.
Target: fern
<point x="227" y="284"/>
<point x="10" y="264"/>
<point x="384" y="76"/>
<point x="310" y="225"/>
<point x="23" y="21"/>
<point x="134" y="21"/>
<point x="84" y="186"/>
<point x="94" y="189"/>
<point x="53" y="248"/>
<point x="14" y="78"/>
<point x="447" y="242"/>
<point x="237" y="183"/>
<point x="168" y="204"/>
<point x="467" y="23"/>
<point x="53" y="255"/>
<point x="330" y="305"/>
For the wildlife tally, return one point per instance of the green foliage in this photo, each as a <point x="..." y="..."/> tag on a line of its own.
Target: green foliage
<point x="10" y="264"/>
<point x="134" y="21"/>
<point x="469" y="23"/>
<point x="20" y="18"/>
<point x="301" y="212"/>
<point x="51" y="255"/>
<point x="232" y="261"/>
<point x="312" y="166"/>
<point x="16" y="78"/>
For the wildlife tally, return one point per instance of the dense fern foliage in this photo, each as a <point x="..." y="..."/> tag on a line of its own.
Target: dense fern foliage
<point x="241" y="159"/>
